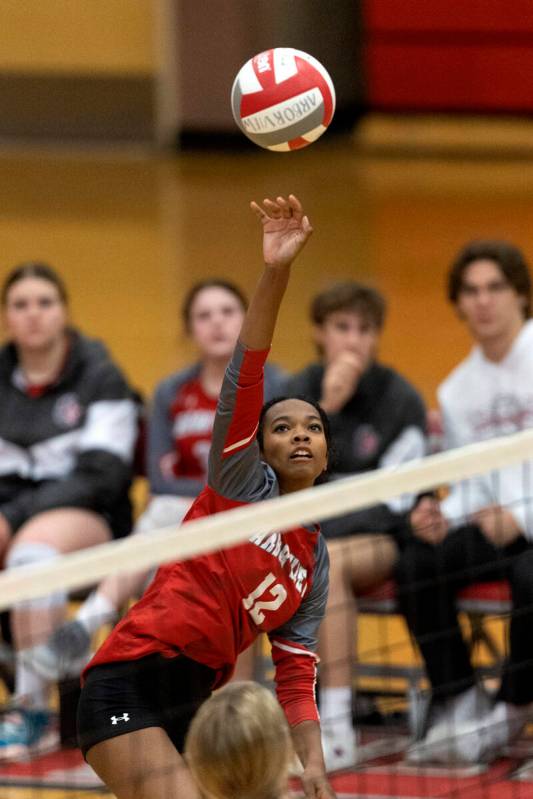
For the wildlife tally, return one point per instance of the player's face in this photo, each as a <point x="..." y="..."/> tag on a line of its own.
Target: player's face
<point x="294" y="444"/>
<point x="488" y="303"/>
<point x="35" y="316"/>
<point x="215" y="321"/>
<point x="347" y="331"/>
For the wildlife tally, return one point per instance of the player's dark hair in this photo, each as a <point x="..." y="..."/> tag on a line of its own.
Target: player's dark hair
<point x="323" y="418"/>
<point x="349" y="295"/>
<point x="507" y="257"/>
<point x="209" y="283"/>
<point x="33" y="269"/>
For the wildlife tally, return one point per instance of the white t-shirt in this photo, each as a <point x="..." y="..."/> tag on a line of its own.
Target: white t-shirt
<point x="480" y="400"/>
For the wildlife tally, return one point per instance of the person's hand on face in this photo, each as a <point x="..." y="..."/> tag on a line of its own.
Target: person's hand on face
<point x="340" y="380"/>
<point x="348" y="342"/>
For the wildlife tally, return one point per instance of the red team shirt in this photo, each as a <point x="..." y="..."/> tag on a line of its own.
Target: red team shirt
<point x="212" y="607"/>
<point x="193" y="415"/>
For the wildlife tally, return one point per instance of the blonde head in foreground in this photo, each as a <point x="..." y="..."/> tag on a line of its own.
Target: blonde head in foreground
<point x="239" y="745"/>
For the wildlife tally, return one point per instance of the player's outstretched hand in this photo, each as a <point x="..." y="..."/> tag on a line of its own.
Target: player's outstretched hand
<point x="340" y="380"/>
<point x="285" y="229"/>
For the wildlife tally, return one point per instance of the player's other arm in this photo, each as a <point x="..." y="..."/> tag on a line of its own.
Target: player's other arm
<point x="295" y="684"/>
<point x="293" y="654"/>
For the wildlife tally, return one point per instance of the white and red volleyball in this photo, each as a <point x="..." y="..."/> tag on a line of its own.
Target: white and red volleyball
<point x="283" y="99"/>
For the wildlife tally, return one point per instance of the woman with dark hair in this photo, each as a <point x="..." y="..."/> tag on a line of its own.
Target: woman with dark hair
<point x="68" y="425"/>
<point x="181" y="640"/>
<point x="180" y="428"/>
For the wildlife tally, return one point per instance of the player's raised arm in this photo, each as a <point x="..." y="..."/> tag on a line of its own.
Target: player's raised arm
<point x="234" y="461"/>
<point x="285" y="231"/>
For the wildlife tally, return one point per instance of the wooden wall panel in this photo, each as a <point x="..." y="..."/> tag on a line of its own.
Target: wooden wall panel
<point x="96" y="37"/>
<point x="495" y="16"/>
<point x="423" y="76"/>
<point x="467" y="55"/>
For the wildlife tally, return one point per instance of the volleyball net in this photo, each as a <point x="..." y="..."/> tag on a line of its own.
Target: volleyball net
<point x="386" y="666"/>
<point x="210" y="533"/>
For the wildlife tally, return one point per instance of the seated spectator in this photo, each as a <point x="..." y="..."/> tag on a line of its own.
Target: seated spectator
<point x="486" y="395"/>
<point x="377" y="420"/>
<point x="67" y="432"/>
<point x="239" y="745"/>
<point x="179" y="438"/>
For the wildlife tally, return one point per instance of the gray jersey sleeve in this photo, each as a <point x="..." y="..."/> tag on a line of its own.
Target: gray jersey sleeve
<point x="236" y="470"/>
<point x="302" y="628"/>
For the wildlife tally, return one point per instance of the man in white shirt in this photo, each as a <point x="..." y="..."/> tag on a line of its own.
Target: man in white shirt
<point x="484" y="529"/>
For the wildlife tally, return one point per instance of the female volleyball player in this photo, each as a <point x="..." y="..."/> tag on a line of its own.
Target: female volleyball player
<point x="68" y="423"/>
<point x="238" y="745"/>
<point x="179" y="437"/>
<point x="182" y="639"/>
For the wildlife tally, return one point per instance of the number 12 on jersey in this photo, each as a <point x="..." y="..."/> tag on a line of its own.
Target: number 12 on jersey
<point x="255" y="608"/>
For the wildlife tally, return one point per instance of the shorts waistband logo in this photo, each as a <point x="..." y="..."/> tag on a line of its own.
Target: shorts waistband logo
<point x="116" y="719"/>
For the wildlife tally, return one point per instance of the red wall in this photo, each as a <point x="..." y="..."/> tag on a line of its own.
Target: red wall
<point x="449" y="54"/>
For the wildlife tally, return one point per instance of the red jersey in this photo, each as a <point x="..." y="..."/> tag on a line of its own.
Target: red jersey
<point x="212" y="607"/>
<point x="193" y="416"/>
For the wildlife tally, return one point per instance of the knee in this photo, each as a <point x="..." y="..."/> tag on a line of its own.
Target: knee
<point x="26" y="553"/>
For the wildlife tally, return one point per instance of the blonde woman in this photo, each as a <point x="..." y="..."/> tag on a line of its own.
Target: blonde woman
<point x="239" y="745"/>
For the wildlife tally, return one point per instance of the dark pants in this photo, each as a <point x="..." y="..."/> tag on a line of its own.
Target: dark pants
<point x="428" y="579"/>
<point x="154" y="691"/>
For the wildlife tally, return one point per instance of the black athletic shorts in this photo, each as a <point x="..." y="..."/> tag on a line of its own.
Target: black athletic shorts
<point x="153" y="691"/>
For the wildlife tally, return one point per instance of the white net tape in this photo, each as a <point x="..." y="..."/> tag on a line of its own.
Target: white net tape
<point x="142" y="551"/>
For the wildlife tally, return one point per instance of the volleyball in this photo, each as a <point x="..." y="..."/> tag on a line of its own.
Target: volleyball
<point x="283" y="99"/>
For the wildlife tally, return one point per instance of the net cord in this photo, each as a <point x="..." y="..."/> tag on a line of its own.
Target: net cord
<point x="144" y="551"/>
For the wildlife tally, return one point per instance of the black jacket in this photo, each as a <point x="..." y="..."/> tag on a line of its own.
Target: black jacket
<point x="71" y="446"/>
<point x="382" y="424"/>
